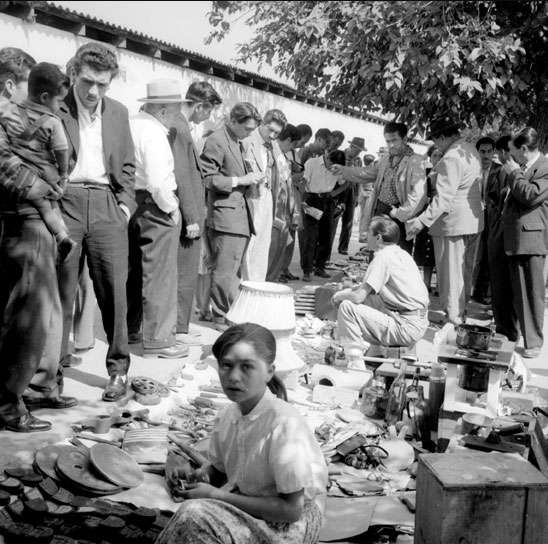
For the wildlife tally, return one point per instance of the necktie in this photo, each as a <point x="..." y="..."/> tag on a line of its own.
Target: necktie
<point x="242" y="152"/>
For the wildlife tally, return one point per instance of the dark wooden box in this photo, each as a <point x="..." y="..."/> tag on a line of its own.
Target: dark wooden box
<point x="471" y="497"/>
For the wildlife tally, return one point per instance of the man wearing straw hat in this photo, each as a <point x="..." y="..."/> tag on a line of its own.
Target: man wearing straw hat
<point x="155" y="226"/>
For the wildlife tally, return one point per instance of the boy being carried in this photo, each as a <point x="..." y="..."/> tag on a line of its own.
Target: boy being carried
<point x="37" y="135"/>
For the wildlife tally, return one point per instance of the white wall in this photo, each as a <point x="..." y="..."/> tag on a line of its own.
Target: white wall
<point x="50" y="44"/>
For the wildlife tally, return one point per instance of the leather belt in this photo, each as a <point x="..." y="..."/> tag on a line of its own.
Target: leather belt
<point x="417" y="313"/>
<point x="89" y="185"/>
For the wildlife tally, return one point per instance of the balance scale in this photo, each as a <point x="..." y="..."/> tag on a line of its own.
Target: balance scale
<point x="495" y="361"/>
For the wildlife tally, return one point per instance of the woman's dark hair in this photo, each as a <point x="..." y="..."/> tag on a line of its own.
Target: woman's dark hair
<point x="243" y="111"/>
<point x="337" y="157"/>
<point x="386" y="227"/>
<point x="528" y="137"/>
<point x="47" y="78"/>
<point x="262" y="341"/>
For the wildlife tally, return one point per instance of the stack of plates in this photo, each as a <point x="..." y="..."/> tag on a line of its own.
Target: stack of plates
<point x="101" y="470"/>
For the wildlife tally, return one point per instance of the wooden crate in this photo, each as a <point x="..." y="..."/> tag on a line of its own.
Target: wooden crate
<point x="475" y="497"/>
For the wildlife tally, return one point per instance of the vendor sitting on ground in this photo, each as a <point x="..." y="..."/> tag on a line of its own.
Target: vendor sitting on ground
<point x="390" y="307"/>
<point x="262" y="448"/>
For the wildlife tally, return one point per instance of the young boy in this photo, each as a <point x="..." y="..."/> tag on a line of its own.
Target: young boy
<point x="38" y="137"/>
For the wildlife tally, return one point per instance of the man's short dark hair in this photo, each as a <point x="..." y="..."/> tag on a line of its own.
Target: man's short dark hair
<point x="275" y="116"/>
<point x="485" y="141"/>
<point x="322" y="133"/>
<point x="304" y="130"/>
<point x="14" y="63"/>
<point x="502" y="143"/>
<point x="386" y="227"/>
<point x="396" y="128"/>
<point x="98" y="57"/>
<point x="243" y="111"/>
<point x="337" y="157"/>
<point x="290" y="131"/>
<point x="528" y="137"/>
<point x="337" y="134"/>
<point x="202" y="91"/>
<point x="47" y="78"/>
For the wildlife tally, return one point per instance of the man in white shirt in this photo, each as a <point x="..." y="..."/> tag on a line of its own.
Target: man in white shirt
<point x="322" y="186"/>
<point x="155" y="227"/>
<point x="98" y="202"/>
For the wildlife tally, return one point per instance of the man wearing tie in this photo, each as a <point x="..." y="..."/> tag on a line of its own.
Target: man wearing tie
<point x="261" y="159"/>
<point x="525" y="219"/>
<point x="229" y="215"/>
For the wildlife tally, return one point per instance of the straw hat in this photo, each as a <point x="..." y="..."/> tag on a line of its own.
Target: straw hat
<point x="163" y="91"/>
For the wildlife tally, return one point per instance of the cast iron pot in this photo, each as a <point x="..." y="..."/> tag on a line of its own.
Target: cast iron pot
<point x="473" y="336"/>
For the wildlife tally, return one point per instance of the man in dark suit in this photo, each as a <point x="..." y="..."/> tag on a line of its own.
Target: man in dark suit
<point x="201" y="99"/>
<point x="229" y="217"/>
<point x="98" y="202"/>
<point x="489" y="171"/>
<point x="525" y="219"/>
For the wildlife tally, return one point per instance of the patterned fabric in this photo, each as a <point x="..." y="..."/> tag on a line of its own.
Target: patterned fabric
<point x="388" y="193"/>
<point x="208" y="521"/>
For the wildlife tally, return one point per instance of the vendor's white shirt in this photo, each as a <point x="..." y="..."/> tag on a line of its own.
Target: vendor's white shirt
<point x="395" y="277"/>
<point x="269" y="451"/>
<point x="153" y="161"/>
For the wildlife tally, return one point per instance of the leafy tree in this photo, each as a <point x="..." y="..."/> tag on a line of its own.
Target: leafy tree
<point x="483" y="61"/>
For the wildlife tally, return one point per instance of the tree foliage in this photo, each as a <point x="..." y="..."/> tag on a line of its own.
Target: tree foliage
<point x="480" y="60"/>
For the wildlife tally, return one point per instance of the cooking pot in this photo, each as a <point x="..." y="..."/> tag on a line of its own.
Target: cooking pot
<point x="473" y="336"/>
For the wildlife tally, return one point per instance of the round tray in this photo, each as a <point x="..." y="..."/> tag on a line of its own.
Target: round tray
<point x="46" y="458"/>
<point x="116" y="465"/>
<point x="75" y="466"/>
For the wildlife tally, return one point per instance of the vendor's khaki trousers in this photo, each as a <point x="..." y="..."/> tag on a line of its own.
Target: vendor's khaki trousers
<point x="372" y="323"/>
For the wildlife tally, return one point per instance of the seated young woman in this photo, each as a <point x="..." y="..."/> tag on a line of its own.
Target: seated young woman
<point x="261" y="448"/>
<point x="390" y="307"/>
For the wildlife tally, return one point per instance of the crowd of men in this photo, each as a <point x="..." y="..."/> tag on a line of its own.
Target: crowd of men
<point x="154" y="217"/>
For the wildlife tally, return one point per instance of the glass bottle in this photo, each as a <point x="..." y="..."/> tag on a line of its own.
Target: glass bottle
<point x="436" y="392"/>
<point x="374" y="398"/>
<point x="421" y="416"/>
<point x="396" y="397"/>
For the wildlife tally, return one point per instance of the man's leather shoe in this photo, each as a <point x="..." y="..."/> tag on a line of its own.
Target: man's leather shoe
<point x="70" y="360"/>
<point x="27" y="424"/>
<point x="188" y="339"/>
<point x="343" y="252"/>
<point x="306" y="276"/>
<point x="173" y="352"/>
<point x="116" y="388"/>
<point x="321" y="273"/>
<point x="531" y="353"/>
<point x="55" y="403"/>
<point x="290" y="276"/>
<point x="283" y="279"/>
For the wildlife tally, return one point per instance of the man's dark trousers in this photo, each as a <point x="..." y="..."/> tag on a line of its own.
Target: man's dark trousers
<point x="188" y="263"/>
<point x="152" y="283"/>
<point x="347" y="218"/>
<point x="315" y="237"/>
<point x="99" y="226"/>
<point x="29" y="304"/>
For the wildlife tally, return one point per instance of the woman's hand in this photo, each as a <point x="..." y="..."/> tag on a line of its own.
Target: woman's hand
<point x="199" y="490"/>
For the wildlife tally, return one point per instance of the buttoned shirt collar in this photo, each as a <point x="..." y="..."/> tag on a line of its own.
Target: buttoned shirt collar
<point x="259" y="408"/>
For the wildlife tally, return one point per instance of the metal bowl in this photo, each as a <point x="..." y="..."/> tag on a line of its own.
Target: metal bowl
<point x="473" y="336"/>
